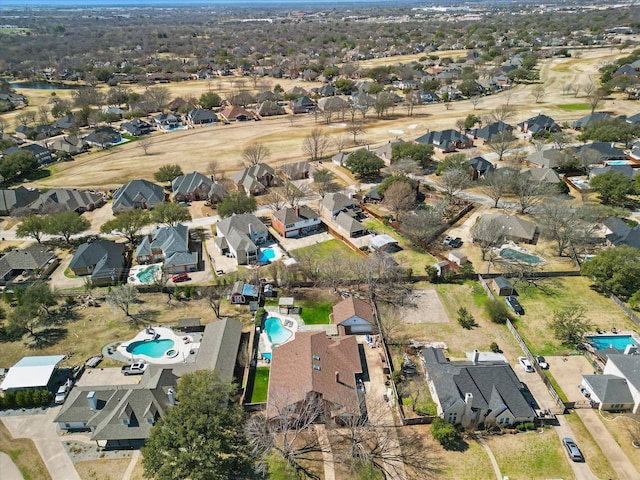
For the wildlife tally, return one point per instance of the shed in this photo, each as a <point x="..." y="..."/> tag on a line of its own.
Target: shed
<point x="457" y="257"/>
<point x="286" y="305"/>
<point x="190" y="325"/>
<point x="31" y="372"/>
<point x="442" y="267"/>
<point x="383" y="242"/>
<point x="502" y="287"/>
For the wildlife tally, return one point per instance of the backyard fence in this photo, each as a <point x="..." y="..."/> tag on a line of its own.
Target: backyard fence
<point x="486" y="288"/>
<point x="552" y="391"/>
<point x="624" y="308"/>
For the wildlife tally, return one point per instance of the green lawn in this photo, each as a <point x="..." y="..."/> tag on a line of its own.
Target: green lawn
<point x="260" y="385"/>
<point x="330" y="249"/>
<point x="316" y="313"/>
<point x="574" y="106"/>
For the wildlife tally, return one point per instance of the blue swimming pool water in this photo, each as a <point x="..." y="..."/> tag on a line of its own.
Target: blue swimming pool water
<point x="511" y="254"/>
<point x="266" y="255"/>
<point x="619" y="342"/>
<point x="146" y="276"/>
<point x="150" y="348"/>
<point x="275" y="331"/>
<point x="267" y="355"/>
<point x="618" y="162"/>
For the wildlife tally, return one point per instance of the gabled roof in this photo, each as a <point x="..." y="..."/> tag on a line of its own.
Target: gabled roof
<point x="594" y="117"/>
<point x="493" y="129"/>
<point x="270" y="107"/>
<point x="629" y="366"/>
<point x="551" y="158"/>
<point x="621" y="233"/>
<point x="104" y="255"/>
<point x="315" y="363"/>
<point x="219" y="347"/>
<point x="609" y="388"/>
<point x="249" y="177"/>
<point x="127" y="196"/>
<point x="11" y="198"/>
<point x="332" y="104"/>
<point x="336" y="201"/>
<point x="606" y="150"/>
<point x="190" y="182"/>
<point x="34" y="257"/>
<point x="542" y="175"/>
<point x="626" y="170"/>
<point x="480" y="165"/>
<point x="512" y="225"/>
<point x="235" y="230"/>
<point x="443" y="139"/>
<point x="58" y="199"/>
<point x="348" y="223"/>
<point x="298" y="169"/>
<point x="289" y="215"/>
<point x="103" y="136"/>
<point x="233" y="112"/>
<point x="201" y="115"/>
<point x="66" y="122"/>
<point x="350" y="307"/>
<point x="540" y="123"/>
<point x="136" y="127"/>
<point x="31" y="372"/>
<point x="169" y="240"/>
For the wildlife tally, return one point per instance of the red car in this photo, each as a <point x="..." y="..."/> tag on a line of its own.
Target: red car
<point x="180" y="277"/>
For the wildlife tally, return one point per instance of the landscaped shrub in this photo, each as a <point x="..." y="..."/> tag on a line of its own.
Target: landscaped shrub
<point x="495" y="348"/>
<point x="443" y="432"/>
<point x="465" y="319"/>
<point x="497" y="311"/>
<point x="259" y="316"/>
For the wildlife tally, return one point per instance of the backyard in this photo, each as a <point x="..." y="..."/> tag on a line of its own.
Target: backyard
<point x="260" y="385"/>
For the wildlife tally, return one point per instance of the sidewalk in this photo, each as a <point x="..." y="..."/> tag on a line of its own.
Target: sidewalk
<point x="8" y="468"/>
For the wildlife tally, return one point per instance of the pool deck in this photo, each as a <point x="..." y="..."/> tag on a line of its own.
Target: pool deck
<point x="133" y="278"/>
<point x="184" y="344"/>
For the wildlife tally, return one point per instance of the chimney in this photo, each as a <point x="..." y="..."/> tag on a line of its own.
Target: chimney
<point x="630" y="349"/>
<point x="92" y="400"/>
<point x="251" y="231"/>
<point x="468" y="412"/>
<point x="476" y="356"/>
<point x="337" y="377"/>
<point x="171" y="396"/>
<point x="298" y="211"/>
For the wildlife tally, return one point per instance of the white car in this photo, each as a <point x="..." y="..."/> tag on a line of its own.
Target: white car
<point x="526" y="364"/>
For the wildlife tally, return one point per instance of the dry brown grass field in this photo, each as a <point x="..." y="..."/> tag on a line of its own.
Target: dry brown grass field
<point x="193" y="149"/>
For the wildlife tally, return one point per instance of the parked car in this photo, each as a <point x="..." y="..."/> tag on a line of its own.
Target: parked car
<point x="525" y="364"/>
<point x="137" y="368"/>
<point x="447" y="240"/>
<point x="514" y="304"/>
<point x="180" y="277"/>
<point x="572" y="449"/>
<point x="456" y="242"/>
<point x="542" y="362"/>
<point x="63" y="391"/>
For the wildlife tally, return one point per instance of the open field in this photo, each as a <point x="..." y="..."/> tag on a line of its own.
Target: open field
<point x="24" y="454"/>
<point x="197" y="147"/>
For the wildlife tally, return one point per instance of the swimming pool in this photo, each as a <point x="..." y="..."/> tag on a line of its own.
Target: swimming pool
<point x="276" y="332"/>
<point x="148" y="275"/>
<point x="619" y="162"/>
<point x="511" y="254"/>
<point x="151" y="348"/>
<point x="266" y="254"/>
<point x="580" y="183"/>
<point x="619" y="342"/>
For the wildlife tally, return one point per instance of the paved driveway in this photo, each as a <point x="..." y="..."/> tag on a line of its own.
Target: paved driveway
<point x="8" y="468"/>
<point x="42" y="430"/>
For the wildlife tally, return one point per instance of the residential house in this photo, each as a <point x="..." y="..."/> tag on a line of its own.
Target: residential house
<point x="334" y="203"/>
<point x="70" y="144"/>
<point x="103" y="137"/>
<point x="239" y="237"/>
<point x="427" y="96"/>
<point x="599" y="152"/>
<point x="137" y="194"/>
<point x="327" y="90"/>
<point x="39" y="132"/>
<point x="539" y="125"/>
<point x="333" y="104"/>
<point x="618" y="388"/>
<point x="122" y="416"/>
<point x="137" y="127"/>
<point x="244" y="293"/>
<point x="200" y="116"/>
<point x="16" y="199"/>
<point x="255" y="180"/>
<point x="111" y="110"/>
<point x="196" y="186"/>
<point x="446" y="140"/>
<point x="586" y="120"/>
<point x="339" y="158"/>
<point x="20" y="265"/>
<point x="354" y="316"/>
<point x="476" y="392"/>
<point x="348" y="225"/>
<point x="315" y="368"/>
<point x="169" y="245"/>
<point x="298" y="170"/>
<point x="65" y="199"/>
<point x="302" y="105"/>
<point x="294" y="222"/>
<point x="385" y="151"/>
<point x="626" y="170"/>
<point x="167" y="121"/>
<point x="480" y="167"/>
<point x="487" y="132"/>
<point x="236" y="113"/>
<point x="67" y="122"/>
<point x="42" y="154"/>
<point x="551" y="158"/>
<point x="515" y="229"/>
<point x="618" y="232"/>
<point x="298" y="91"/>
<point x="546" y="176"/>
<point x="103" y="260"/>
<point x="457" y="257"/>
<point x="270" y="108"/>
<point x="362" y="100"/>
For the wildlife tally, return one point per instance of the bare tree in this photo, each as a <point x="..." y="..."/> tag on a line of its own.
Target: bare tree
<point x="255" y="153"/>
<point x="576" y="88"/>
<point x="589" y="87"/>
<point x="144" y="143"/>
<point x="399" y="198"/>
<point x="454" y="180"/>
<point x="529" y="193"/>
<point x="214" y="294"/>
<point x="423" y="225"/>
<point x="502" y="113"/>
<point x="324" y="181"/>
<point x="412" y="99"/>
<point x="560" y="140"/>
<point x="293" y="193"/>
<point x="501" y="142"/>
<point x="315" y="144"/>
<point x="276" y="199"/>
<point x="43" y="114"/>
<point x="122" y="297"/>
<point x="496" y="183"/>
<point x="594" y="99"/>
<point x="487" y="234"/>
<point x="340" y="141"/>
<point x="355" y="129"/>
<point x="566" y="225"/>
<point x="213" y="169"/>
<point x="538" y="93"/>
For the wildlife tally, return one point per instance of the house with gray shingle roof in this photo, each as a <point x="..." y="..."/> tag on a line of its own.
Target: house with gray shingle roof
<point x="269" y="108"/>
<point x="239" y="236"/>
<point x="298" y="170"/>
<point x="122" y="416"/>
<point x="334" y="203"/>
<point x="447" y="140"/>
<point x="618" y="232"/>
<point x="103" y="260"/>
<point x="16" y="198"/>
<point x="136" y="127"/>
<point x="489" y="131"/>
<point x="20" y="265"/>
<point x="587" y="119"/>
<point x="137" y="194"/>
<point x="294" y="222"/>
<point x="551" y="158"/>
<point x="196" y="186"/>
<point x="103" y="137"/>
<point x="542" y="175"/>
<point x="200" y="116"/>
<point x="169" y="245"/>
<point x="618" y="388"/>
<point x="348" y="225"/>
<point x="69" y="144"/>
<point x="255" y="180"/>
<point x="65" y="199"/>
<point x="515" y="229"/>
<point x="483" y="392"/>
<point x="538" y="125"/>
<point x="481" y="167"/>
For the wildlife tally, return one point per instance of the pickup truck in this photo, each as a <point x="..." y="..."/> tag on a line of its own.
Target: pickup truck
<point x="134" y="369"/>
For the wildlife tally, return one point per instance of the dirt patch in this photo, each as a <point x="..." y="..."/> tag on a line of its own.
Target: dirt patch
<point x="95" y="469"/>
<point x="427" y="308"/>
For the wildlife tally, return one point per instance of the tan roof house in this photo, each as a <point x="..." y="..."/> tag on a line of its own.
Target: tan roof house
<point x="353" y="317"/>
